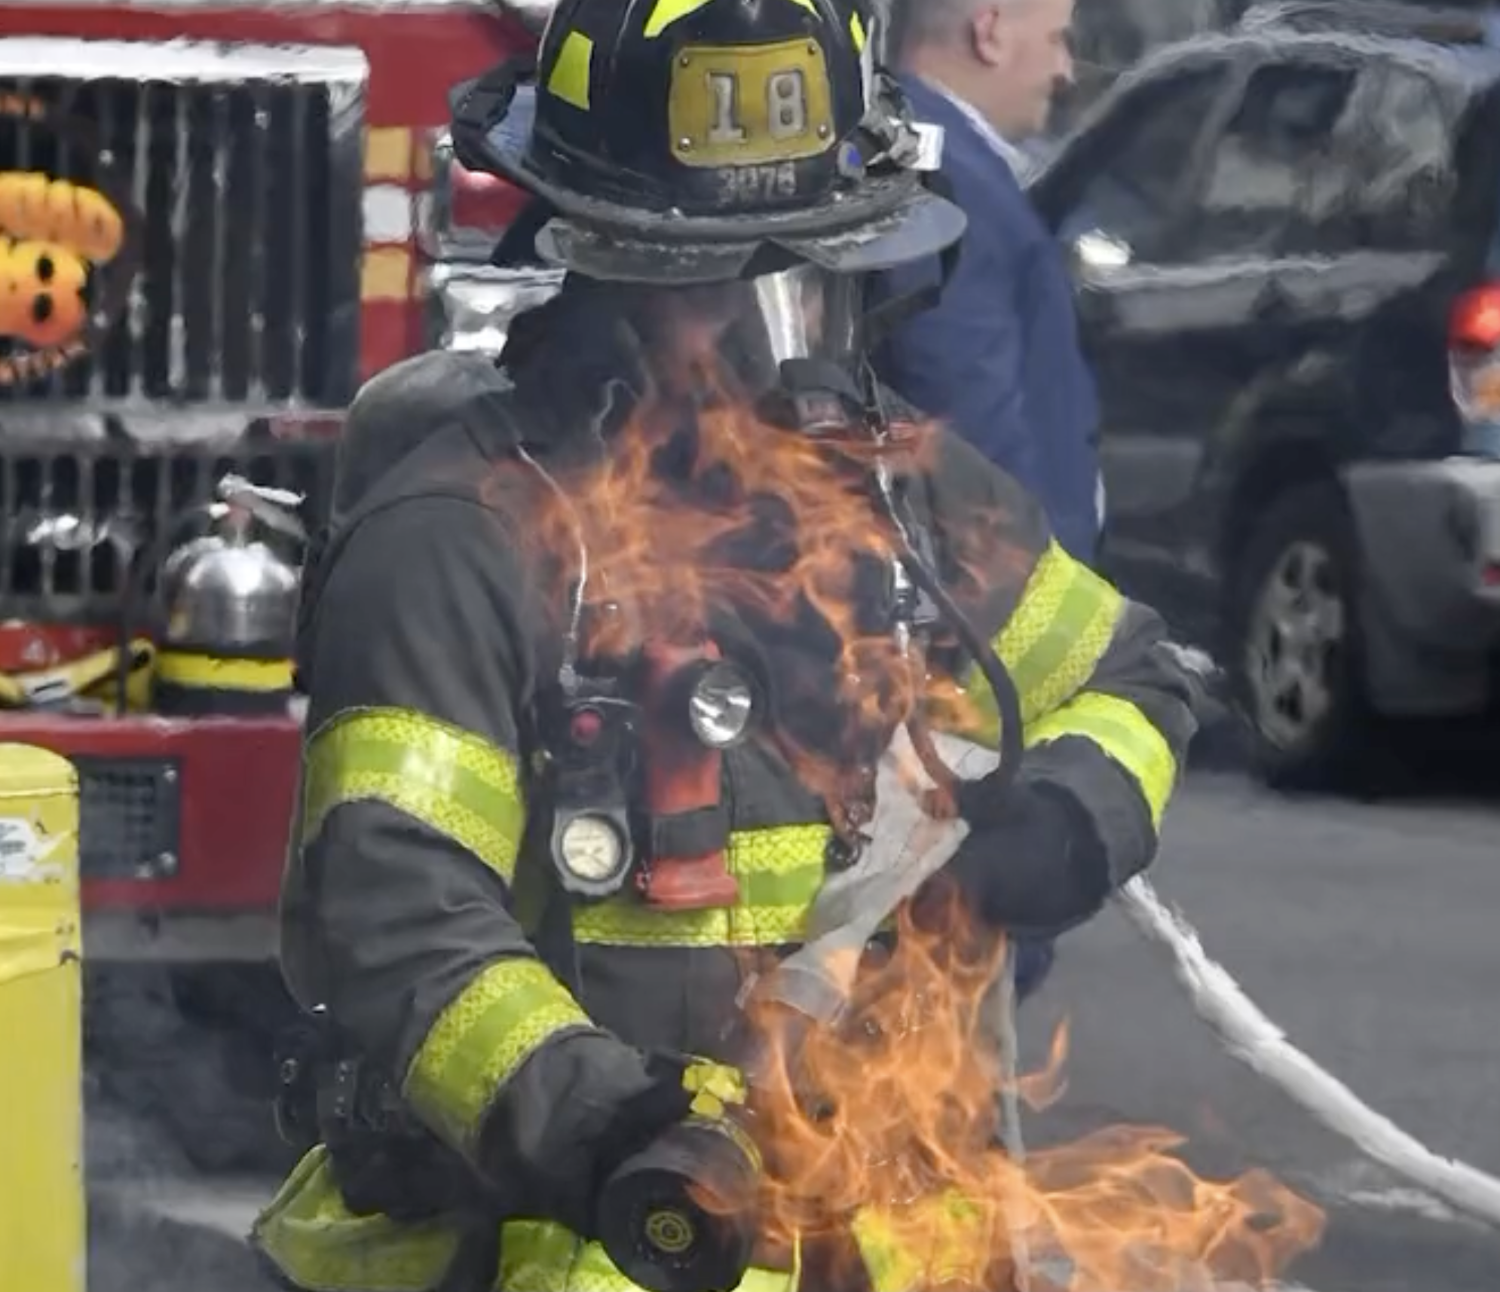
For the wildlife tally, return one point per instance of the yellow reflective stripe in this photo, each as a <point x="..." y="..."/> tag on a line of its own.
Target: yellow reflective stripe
<point x="211" y="673"/>
<point x="666" y="12"/>
<point x="311" y="1237"/>
<point x="725" y="1083"/>
<point x="569" y="79"/>
<point x="487" y="1031"/>
<point x="857" y="31"/>
<point x="936" y="1241"/>
<point x="1124" y="733"/>
<point x="713" y="1085"/>
<point x="318" y="1244"/>
<point x="780" y="871"/>
<point x="1051" y="644"/>
<point x="448" y="779"/>
<point x="539" y="1256"/>
<point x="1057" y="633"/>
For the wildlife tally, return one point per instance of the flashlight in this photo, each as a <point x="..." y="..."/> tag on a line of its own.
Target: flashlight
<point x="720" y="703"/>
<point x="694" y="705"/>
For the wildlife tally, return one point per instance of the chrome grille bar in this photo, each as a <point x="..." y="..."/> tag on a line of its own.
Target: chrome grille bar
<point x="244" y="166"/>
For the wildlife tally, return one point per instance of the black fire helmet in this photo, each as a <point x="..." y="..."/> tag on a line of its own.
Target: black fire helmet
<point x="693" y="141"/>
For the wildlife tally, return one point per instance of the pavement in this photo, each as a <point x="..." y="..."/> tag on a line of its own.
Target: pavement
<point x="1365" y="929"/>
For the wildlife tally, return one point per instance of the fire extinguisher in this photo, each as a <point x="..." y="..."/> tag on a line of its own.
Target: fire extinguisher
<point x="225" y="602"/>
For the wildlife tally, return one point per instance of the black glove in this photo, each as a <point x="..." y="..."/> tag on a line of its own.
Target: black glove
<point x="1033" y="865"/>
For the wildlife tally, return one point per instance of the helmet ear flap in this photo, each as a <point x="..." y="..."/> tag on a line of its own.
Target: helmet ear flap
<point x="477" y="105"/>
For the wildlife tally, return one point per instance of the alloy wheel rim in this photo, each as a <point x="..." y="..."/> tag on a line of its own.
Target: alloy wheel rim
<point x="1297" y="630"/>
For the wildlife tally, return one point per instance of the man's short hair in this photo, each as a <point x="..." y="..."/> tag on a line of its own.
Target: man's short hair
<point x="920" y="23"/>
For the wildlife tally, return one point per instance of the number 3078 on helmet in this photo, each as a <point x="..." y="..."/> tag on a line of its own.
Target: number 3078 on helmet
<point x="692" y="141"/>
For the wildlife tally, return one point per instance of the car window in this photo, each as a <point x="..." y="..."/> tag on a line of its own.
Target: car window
<point x="1113" y="35"/>
<point x="1398" y="183"/>
<point x="1137" y="167"/>
<point x="1477" y="165"/>
<point x="1272" y="174"/>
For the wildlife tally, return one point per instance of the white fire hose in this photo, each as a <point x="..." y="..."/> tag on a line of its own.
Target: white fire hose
<point x="1256" y="1041"/>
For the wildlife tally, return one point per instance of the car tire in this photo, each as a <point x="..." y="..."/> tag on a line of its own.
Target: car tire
<point x="1295" y="644"/>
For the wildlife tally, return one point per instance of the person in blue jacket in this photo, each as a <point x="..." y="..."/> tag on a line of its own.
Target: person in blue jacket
<point x="998" y="358"/>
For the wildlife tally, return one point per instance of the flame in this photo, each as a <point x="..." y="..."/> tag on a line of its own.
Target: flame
<point x="716" y="522"/>
<point x="890" y="1124"/>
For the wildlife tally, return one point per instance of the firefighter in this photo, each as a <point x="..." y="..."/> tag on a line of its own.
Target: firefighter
<point x="510" y="942"/>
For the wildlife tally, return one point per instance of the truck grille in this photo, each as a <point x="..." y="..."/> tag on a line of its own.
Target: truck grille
<point x="243" y="172"/>
<point x="69" y="520"/>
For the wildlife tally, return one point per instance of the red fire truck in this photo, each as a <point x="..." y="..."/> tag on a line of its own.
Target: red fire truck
<point x="217" y="217"/>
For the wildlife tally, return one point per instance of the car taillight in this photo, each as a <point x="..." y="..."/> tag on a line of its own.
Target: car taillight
<point x="1474" y="366"/>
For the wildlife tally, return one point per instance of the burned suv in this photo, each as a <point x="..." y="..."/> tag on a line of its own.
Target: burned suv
<point x="1287" y="247"/>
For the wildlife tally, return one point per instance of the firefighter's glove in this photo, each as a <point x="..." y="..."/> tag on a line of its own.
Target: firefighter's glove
<point x="1033" y="862"/>
<point x="678" y="1214"/>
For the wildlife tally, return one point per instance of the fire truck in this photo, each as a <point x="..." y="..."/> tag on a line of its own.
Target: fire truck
<point x="217" y="218"/>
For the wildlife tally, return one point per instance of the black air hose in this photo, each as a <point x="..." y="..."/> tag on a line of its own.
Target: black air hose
<point x="977" y="799"/>
<point x="970" y="797"/>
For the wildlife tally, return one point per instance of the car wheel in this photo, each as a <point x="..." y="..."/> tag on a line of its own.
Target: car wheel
<point x="1295" y="641"/>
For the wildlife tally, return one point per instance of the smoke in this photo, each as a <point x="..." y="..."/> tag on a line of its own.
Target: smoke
<point x="179" y="1141"/>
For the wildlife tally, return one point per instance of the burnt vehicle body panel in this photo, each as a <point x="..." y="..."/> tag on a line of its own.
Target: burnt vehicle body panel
<point x="1269" y="231"/>
<point x="1109" y="38"/>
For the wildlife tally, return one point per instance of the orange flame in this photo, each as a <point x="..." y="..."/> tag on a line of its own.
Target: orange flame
<point x="890" y="1125"/>
<point x="692" y="524"/>
<point x="689" y="525"/>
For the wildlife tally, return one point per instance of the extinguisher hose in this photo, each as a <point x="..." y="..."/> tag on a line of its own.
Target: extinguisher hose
<point x="129" y="588"/>
<point x="996" y="676"/>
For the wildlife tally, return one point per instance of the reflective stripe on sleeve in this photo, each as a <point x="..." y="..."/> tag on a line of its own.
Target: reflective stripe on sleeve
<point x="1051" y="644"/>
<point x="1058" y="632"/>
<point x="449" y="779"/>
<point x="487" y="1031"/>
<point x="1123" y="732"/>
